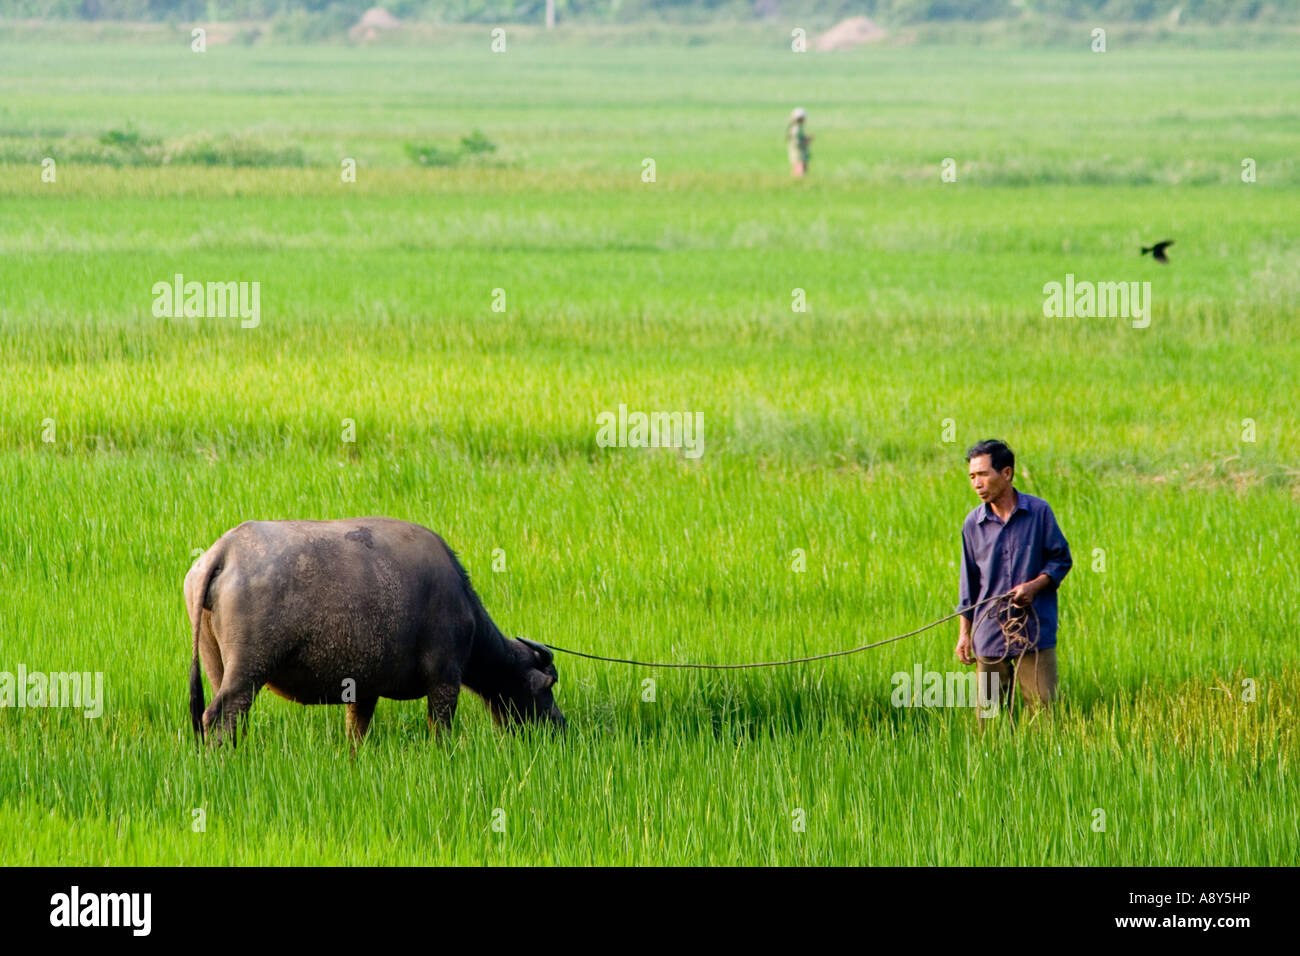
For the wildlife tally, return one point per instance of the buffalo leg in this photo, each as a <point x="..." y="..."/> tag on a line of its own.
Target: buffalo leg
<point x="442" y="706"/>
<point x="358" y="720"/>
<point x="229" y="708"/>
<point x="230" y="705"/>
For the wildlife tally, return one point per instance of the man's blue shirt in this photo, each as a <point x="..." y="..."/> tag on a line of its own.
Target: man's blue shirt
<point x="995" y="557"/>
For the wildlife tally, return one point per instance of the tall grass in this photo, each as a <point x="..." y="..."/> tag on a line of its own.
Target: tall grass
<point x="129" y="440"/>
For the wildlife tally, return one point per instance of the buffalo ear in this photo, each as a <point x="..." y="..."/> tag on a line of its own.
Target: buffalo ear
<point x="539" y="681"/>
<point x="543" y="653"/>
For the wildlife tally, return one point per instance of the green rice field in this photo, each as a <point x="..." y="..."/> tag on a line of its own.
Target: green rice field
<point x="435" y="343"/>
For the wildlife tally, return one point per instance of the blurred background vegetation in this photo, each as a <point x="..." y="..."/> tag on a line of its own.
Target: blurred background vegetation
<point x="344" y="13"/>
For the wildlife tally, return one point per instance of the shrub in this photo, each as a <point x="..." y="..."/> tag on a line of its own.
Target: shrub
<point x="476" y="143"/>
<point x="427" y="155"/>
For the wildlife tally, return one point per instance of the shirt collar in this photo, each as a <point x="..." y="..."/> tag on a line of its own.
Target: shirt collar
<point x="986" y="509"/>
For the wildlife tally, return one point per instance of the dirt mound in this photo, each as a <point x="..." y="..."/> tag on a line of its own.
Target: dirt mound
<point x="372" y="23"/>
<point x="845" y="35"/>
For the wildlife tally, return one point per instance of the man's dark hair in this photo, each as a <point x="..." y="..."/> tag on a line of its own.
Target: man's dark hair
<point x="1000" y="456"/>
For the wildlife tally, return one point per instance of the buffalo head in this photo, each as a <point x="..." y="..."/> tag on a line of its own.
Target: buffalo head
<point x="524" y="692"/>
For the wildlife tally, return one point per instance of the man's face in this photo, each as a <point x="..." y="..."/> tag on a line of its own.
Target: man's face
<point x="988" y="484"/>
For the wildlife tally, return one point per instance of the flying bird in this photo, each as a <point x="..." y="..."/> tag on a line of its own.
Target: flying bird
<point x="1158" y="250"/>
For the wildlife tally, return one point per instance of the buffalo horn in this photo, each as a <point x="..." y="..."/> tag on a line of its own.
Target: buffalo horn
<point x="543" y="652"/>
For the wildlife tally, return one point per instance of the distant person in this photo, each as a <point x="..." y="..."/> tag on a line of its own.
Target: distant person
<point x="1011" y="542"/>
<point x="796" y="141"/>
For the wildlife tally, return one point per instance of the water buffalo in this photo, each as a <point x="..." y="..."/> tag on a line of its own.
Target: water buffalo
<point x="346" y="612"/>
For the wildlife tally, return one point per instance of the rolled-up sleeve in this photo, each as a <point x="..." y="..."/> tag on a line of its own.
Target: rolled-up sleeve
<point x="1056" y="550"/>
<point x="970" y="578"/>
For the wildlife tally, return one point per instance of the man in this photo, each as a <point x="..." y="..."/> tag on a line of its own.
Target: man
<point x="796" y="141"/>
<point x="1011" y="542"/>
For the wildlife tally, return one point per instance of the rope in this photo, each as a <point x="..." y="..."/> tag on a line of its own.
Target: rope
<point x="1013" y="629"/>
<point x="1015" y="633"/>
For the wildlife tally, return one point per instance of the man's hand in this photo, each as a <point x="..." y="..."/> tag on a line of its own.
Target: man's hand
<point x="964" y="649"/>
<point x="1022" y="595"/>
